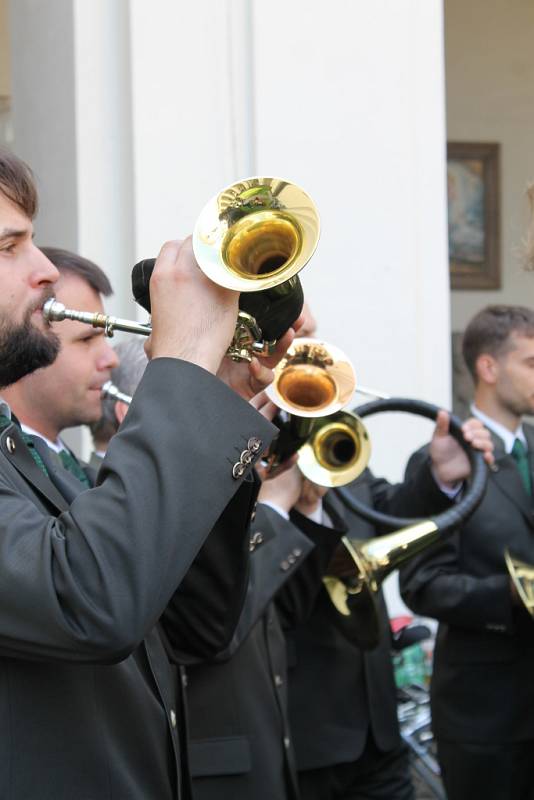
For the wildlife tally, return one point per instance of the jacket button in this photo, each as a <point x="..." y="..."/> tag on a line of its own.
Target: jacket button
<point x="278" y="681"/>
<point x="291" y="558"/>
<point x="297" y="552"/>
<point x="10" y="444"/>
<point x="284" y="566"/>
<point x="173" y="717"/>
<point x="255" y="540"/>
<point x="238" y="470"/>
<point x="246" y="457"/>
<point x="287" y="742"/>
<point x="254" y="444"/>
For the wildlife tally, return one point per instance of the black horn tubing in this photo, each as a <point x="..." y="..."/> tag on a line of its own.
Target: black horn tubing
<point x="453" y="516"/>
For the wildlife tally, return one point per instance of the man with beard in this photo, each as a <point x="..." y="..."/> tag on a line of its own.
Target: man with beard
<point x="87" y="695"/>
<point x="482" y="686"/>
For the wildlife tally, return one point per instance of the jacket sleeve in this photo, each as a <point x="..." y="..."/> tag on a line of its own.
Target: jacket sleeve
<point x="434" y="585"/>
<point x="280" y="551"/>
<point x="205" y="610"/>
<point x="418" y="496"/>
<point x="296" y="601"/>
<point x="88" y="584"/>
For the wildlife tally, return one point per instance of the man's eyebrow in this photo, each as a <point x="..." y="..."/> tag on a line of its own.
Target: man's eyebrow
<point x="13" y="233"/>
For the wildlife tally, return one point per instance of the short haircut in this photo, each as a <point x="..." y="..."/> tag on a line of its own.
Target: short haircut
<point x="66" y="261"/>
<point x="489" y="332"/>
<point x="17" y="183"/>
<point x="126" y="377"/>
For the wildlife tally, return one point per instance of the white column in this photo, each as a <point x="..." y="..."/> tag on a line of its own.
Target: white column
<point x="104" y="141"/>
<point x="349" y="102"/>
<point x="191" y="87"/>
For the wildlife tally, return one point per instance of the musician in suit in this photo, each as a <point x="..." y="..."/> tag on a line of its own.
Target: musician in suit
<point x="482" y="687"/>
<point x="240" y="744"/>
<point x="87" y="695"/>
<point x="342" y="701"/>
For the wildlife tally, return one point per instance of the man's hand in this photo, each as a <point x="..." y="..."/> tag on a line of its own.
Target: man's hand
<point x="342" y="564"/>
<point x="449" y="462"/>
<point x="248" y="379"/>
<point x="310" y="497"/>
<point x="192" y="317"/>
<point x="284" y="489"/>
<point x="306" y="324"/>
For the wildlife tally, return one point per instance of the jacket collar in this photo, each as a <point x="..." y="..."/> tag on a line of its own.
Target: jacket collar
<point x="16" y="452"/>
<point x="505" y="475"/>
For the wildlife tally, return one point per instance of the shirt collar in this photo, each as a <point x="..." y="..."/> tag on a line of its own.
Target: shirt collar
<point x="5" y="410"/>
<point x="56" y="446"/>
<point x="508" y="437"/>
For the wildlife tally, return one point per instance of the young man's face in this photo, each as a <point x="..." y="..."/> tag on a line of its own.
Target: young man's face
<point x="514" y="386"/>
<point x="26" y="281"/>
<point x="69" y="391"/>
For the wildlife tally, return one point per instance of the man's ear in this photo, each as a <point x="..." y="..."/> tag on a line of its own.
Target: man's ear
<point x="487" y="368"/>
<point x="121" y="409"/>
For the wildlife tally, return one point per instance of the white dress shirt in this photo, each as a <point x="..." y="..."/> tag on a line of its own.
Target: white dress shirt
<point x="499" y="430"/>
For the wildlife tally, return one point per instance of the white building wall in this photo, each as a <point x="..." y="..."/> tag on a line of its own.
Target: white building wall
<point x="490" y="97"/>
<point x="156" y="106"/>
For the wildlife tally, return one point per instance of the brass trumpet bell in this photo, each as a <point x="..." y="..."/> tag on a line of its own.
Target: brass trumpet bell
<point x="373" y="561"/>
<point x="256" y="234"/>
<point x="337" y="450"/>
<point x="522" y="575"/>
<point x="314" y="379"/>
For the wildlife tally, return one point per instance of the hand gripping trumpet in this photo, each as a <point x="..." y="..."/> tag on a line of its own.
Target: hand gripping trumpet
<point x="253" y="237"/>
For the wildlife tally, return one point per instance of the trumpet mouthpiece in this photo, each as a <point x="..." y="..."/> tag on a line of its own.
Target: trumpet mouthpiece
<point x="53" y="310"/>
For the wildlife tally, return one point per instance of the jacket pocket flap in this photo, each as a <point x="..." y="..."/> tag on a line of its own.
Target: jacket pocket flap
<point x="229" y="755"/>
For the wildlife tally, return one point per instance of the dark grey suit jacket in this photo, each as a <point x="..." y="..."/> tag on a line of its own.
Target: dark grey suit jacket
<point x="482" y="686"/>
<point x="87" y="694"/>
<point x="338" y="694"/>
<point x="241" y="745"/>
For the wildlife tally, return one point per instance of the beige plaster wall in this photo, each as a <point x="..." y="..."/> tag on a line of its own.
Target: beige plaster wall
<point x="5" y="79"/>
<point x="489" y="50"/>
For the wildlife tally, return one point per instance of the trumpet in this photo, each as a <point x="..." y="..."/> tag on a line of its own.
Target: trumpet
<point x="312" y="383"/>
<point x="522" y="575"/>
<point x="355" y="599"/>
<point x="110" y="390"/>
<point x="253" y="237"/>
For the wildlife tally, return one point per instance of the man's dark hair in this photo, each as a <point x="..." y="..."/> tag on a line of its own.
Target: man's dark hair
<point x="490" y="331"/>
<point x="66" y="261"/>
<point x="17" y="183"/>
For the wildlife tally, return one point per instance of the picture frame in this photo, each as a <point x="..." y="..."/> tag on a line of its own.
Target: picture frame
<point x="473" y="185"/>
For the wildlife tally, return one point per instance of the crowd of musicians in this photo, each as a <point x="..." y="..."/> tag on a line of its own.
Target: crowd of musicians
<point x="165" y="630"/>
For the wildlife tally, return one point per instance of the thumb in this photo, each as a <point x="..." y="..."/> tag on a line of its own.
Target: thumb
<point x="442" y="424"/>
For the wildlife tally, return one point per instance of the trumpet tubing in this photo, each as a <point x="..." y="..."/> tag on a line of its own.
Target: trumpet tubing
<point x="110" y="390"/>
<point x="54" y="311"/>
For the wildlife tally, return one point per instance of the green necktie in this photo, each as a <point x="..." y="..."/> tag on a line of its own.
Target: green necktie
<point x="72" y="465"/>
<point x="4" y="422"/>
<point x="519" y="454"/>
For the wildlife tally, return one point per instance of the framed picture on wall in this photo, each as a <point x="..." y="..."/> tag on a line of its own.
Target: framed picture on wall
<point x="473" y="214"/>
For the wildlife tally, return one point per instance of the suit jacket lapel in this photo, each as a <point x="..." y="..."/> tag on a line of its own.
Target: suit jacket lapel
<point x="506" y="477"/>
<point x="15" y="450"/>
